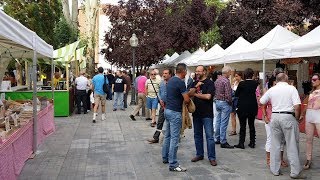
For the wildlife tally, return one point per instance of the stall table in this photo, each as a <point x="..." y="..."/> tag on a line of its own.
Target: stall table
<point x="17" y="148"/>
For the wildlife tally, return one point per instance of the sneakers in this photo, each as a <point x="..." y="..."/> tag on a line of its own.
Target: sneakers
<point x="178" y="169"/>
<point x="132" y="117"/>
<point x="103" y="117"/>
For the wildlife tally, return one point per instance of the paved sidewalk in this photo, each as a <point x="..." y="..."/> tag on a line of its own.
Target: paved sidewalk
<point x="117" y="149"/>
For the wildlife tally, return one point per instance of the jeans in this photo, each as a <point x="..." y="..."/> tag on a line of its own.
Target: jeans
<point x="171" y="137"/>
<point x="109" y="95"/>
<point x="125" y="100"/>
<point x="207" y="124"/>
<point x="118" y="97"/>
<point x="81" y="96"/>
<point x="223" y="115"/>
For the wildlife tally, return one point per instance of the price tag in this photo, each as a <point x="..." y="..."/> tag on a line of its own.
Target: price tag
<point x="7" y="123"/>
<point x="15" y="119"/>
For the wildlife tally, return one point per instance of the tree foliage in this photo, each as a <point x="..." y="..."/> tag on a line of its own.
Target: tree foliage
<point x="254" y="18"/>
<point x="162" y="26"/>
<point x="43" y="17"/>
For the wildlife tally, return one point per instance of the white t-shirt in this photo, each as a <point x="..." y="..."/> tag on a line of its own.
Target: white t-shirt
<point x="81" y="83"/>
<point x="283" y="97"/>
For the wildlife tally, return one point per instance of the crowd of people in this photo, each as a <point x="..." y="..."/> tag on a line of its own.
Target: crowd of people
<point x="215" y="100"/>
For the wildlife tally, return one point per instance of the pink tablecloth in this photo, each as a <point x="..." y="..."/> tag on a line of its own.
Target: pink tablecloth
<point x="16" y="149"/>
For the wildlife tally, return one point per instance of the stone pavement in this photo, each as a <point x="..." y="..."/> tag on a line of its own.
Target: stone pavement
<point x="117" y="149"/>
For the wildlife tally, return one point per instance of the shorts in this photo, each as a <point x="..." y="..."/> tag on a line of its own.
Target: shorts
<point x="152" y="103"/>
<point x="234" y="104"/>
<point x="313" y="116"/>
<point x="100" y="98"/>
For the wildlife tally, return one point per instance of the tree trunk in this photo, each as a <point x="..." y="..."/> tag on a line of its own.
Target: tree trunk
<point x="66" y="11"/>
<point x="75" y="13"/>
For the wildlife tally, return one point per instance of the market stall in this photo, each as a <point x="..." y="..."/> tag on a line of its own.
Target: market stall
<point x="21" y="122"/>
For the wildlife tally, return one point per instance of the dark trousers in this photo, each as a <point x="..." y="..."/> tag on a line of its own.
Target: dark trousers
<point x="81" y="96"/>
<point x="159" y="124"/>
<point x="243" y="117"/>
<point x="88" y="100"/>
<point x="109" y="95"/>
<point x="125" y="100"/>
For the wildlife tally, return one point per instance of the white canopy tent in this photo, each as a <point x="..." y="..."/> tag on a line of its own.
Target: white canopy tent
<point x="215" y="50"/>
<point x="215" y="59"/>
<point x="17" y="41"/>
<point x="305" y="46"/>
<point x="191" y="60"/>
<point x="182" y="56"/>
<point x="172" y="58"/>
<point x="256" y="51"/>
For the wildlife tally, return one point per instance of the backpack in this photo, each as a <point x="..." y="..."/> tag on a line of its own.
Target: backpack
<point x="105" y="86"/>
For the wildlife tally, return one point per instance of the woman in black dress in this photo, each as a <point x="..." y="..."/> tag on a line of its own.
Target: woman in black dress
<point x="247" y="107"/>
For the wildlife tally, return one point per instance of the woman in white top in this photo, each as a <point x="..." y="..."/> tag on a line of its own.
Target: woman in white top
<point x="237" y="79"/>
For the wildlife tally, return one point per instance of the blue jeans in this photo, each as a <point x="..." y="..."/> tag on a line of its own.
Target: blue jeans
<point x="171" y="137"/>
<point x="224" y="110"/>
<point x="118" y="98"/>
<point x="198" y="125"/>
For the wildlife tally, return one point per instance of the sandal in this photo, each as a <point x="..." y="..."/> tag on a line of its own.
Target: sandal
<point x="232" y="133"/>
<point x="307" y="165"/>
<point x="153" y="124"/>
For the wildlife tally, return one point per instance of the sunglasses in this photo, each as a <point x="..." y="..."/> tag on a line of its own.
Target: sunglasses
<point x="314" y="79"/>
<point x="153" y="74"/>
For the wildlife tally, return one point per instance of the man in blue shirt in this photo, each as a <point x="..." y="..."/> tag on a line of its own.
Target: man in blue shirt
<point x="99" y="94"/>
<point x="166" y="74"/>
<point x="176" y="94"/>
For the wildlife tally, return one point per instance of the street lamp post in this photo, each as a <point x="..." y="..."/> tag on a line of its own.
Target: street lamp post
<point x="133" y="44"/>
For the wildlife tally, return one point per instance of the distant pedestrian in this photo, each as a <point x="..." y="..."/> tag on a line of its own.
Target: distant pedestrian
<point x="128" y="83"/>
<point x="152" y="89"/>
<point x="119" y="87"/>
<point x="285" y="115"/>
<point x="247" y="108"/>
<point x="99" y="95"/>
<point x="176" y="95"/>
<point x="140" y="85"/>
<point x="82" y="84"/>
<point x="110" y="77"/>
<point x="312" y="116"/>
<point x="223" y="100"/>
<point x="203" y="115"/>
<point x="167" y="74"/>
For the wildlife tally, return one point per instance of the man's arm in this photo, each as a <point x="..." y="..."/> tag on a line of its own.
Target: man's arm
<point x="203" y="96"/>
<point x="125" y="88"/>
<point x="297" y="110"/>
<point x="186" y="98"/>
<point x="112" y="88"/>
<point x="228" y="92"/>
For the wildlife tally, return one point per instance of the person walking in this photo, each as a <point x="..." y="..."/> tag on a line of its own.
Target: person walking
<point x="203" y="115"/>
<point x="237" y="80"/>
<point x="110" y="77"/>
<point x="99" y="95"/>
<point x="223" y="105"/>
<point x="81" y="83"/>
<point x="247" y="108"/>
<point x="176" y="95"/>
<point x="267" y="111"/>
<point x="152" y="89"/>
<point x="128" y="83"/>
<point x="119" y="87"/>
<point x="140" y="85"/>
<point x="166" y="74"/>
<point x="312" y="116"/>
<point x="285" y="116"/>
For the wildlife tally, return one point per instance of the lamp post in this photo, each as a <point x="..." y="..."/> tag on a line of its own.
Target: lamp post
<point x="133" y="44"/>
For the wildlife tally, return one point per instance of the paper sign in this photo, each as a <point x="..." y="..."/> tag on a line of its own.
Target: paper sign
<point x="261" y="76"/>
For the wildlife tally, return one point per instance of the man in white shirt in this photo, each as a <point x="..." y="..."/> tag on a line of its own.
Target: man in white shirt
<point x="285" y="102"/>
<point x="81" y="93"/>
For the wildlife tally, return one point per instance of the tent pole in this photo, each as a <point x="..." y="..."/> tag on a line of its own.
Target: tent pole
<point x="264" y="74"/>
<point x="35" y="118"/>
<point x="52" y="77"/>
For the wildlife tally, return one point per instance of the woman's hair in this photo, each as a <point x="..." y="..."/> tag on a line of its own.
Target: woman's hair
<point x="315" y="74"/>
<point x="248" y="73"/>
<point x="239" y="73"/>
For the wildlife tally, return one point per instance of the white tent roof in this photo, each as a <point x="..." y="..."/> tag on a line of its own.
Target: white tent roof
<point x="178" y="59"/>
<point x="18" y="41"/>
<point x="239" y="44"/>
<point x="277" y="36"/>
<point x="174" y="56"/>
<point x="191" y="60"/>
<point x="214" y="51"/>
<point x="306" y="46"/>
